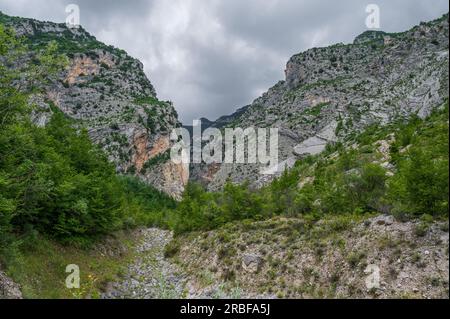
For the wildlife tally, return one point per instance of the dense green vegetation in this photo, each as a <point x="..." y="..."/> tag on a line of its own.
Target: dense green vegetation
<point x="159" y="159"/>
<point x="342" y="180"/>
<point x="53" y="180"/>
<point x="149" y="100"/>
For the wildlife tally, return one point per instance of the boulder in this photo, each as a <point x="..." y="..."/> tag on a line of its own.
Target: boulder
<point x="252" y="263"/>
<point x="384" y="220"/>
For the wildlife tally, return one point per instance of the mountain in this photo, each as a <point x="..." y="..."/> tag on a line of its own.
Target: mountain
<point x="205" y="123"/>
<point x="332" y="93"/>
<point x="227" y="119"/>
<point x="106" y="91"/>
<point x="328" y="95"/>
<point x="361" y="213"/>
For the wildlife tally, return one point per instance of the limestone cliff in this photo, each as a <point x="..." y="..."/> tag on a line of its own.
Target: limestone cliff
<point x="330" y="94"/>
<point x="107" y="92"/>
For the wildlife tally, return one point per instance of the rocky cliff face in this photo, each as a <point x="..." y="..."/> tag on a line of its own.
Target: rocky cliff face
<point x="329" y="94"/>
<point x="107" y="92"/>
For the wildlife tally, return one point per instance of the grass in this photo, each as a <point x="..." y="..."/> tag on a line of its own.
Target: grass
<point x="354" y="258"/>
<point x="41" y="269"/>
<point x="316" y="110"/>
<point x="149" y="100"/>
<point x="159" y="159"/>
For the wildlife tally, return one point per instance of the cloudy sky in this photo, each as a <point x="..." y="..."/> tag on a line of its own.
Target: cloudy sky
<point x="212" y="56"/>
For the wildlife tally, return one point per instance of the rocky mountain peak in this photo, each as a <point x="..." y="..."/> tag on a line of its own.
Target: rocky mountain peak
<point x="332" y="93"/>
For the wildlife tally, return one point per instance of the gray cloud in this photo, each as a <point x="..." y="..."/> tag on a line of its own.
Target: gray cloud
<point x="213" y="56"/>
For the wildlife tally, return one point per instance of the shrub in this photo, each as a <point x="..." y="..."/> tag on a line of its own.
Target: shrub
<point x="172" y="249"/>
<point x="421" y="183"/>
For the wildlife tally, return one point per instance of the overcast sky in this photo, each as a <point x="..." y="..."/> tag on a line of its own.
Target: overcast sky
<point x="211" y="57"/>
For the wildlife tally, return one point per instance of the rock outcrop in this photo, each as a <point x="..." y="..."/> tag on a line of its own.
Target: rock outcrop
<point x="8" y="288"/>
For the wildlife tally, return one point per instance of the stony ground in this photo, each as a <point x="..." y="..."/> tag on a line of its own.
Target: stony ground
<point x="331" y="258"/>
<point x="8" y="288"/>
<point x="151" y="276"/>
<point x="293" y="258"/>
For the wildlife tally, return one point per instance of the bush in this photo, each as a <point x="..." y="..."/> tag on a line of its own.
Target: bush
<point x="352" y="182"/>
<point x="7" y="207"/>
<point x="421" y="183"/>
<point x="172" y="249"/>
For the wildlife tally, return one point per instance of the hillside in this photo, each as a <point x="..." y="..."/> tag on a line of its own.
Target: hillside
<point x="311" y="234"/>
<point x="59" y="191"/>
<point x="332" y="93"/>
<point x="331" y="225"/>
<point x="106" y="91"/>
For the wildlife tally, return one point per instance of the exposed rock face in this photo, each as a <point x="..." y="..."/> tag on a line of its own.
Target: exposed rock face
<point x="171" y="177"/>
<point x="8" y="288"/>
<point x="107" y="92"/>
<point x="334" y="92"/>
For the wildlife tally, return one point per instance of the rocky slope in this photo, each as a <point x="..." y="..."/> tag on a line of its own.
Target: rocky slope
<point x="332" y="93"/>
<point x="333" y="258"/>
<point x="107" y="92"/>
<point x="292" y="258"/>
